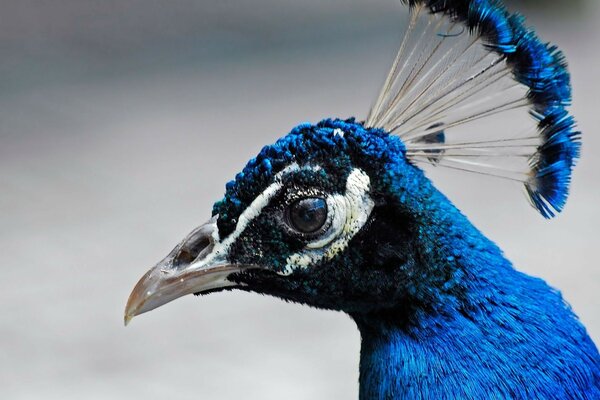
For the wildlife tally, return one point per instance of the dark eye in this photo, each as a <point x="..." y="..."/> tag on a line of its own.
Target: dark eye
<point x="308" y="215"/>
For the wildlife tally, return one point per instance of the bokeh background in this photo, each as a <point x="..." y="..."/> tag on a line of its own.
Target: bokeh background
<point x="120" y="122"/>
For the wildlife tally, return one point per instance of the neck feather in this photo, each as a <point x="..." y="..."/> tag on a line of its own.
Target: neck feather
<point x="483" y="331"/>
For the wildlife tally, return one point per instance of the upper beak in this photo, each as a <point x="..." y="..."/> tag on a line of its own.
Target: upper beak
<point x="197" y="264"/>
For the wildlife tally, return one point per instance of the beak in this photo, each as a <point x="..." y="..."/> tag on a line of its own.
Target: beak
<point x="196" y="265"/>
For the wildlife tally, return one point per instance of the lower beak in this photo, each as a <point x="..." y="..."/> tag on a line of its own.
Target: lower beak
<point x="196" y="265"/>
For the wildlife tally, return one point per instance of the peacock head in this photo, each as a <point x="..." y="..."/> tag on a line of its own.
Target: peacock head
<point x="310" y="219"/>
<point x="337" y="215"/>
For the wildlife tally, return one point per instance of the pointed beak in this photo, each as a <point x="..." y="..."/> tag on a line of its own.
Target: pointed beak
<point x="196" y="265"/>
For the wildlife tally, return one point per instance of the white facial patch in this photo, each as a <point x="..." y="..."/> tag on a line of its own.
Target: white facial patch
<point x="221" y="249"/>
<point x="348" y="213"/>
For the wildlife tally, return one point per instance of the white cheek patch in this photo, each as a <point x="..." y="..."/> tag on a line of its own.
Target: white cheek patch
<point x="348" y="213"/>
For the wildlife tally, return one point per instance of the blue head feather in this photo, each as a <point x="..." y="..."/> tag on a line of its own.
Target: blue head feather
<point x="304" y="143"/>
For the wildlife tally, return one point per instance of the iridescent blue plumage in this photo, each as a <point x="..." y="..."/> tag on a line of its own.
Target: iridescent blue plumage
<point x="460" y="321"/>
<point x="442" y="313"/>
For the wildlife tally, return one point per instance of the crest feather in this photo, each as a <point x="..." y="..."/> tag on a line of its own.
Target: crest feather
<point x="465" y="61"/>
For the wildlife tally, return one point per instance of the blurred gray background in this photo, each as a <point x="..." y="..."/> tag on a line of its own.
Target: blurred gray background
<point x="120" y="122"/>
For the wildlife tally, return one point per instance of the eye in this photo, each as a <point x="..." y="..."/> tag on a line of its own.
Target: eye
<point x="308" y="215"/>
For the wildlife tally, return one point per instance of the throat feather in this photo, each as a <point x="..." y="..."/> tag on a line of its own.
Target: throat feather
<point x="512" y="338"/>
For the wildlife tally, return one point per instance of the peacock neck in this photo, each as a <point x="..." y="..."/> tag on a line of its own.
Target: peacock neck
<point x="510" y="348"/>
<point x="396" y="363"/>
<point x="439" y="359"/>
<point x="482" y="330"/>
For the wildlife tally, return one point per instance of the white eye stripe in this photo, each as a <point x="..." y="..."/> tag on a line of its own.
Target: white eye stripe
<point x="221" y="249"/>
<point x="349" y="212"/>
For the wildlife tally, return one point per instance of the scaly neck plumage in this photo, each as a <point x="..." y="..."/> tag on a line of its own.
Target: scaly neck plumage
<point x="488" y="332"/>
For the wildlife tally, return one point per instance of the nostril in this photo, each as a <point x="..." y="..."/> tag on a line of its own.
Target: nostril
<point x="184" y="257"/>
<point x="192" y="247"/>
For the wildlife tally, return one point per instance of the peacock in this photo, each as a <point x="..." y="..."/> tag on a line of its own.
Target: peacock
<point x="340" y="215"/>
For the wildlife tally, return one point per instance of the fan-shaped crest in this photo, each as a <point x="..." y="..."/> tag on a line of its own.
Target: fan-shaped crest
<point x="472" y="89"/>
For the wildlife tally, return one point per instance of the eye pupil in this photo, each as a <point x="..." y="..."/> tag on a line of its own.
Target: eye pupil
<point x="308" y="215"/>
